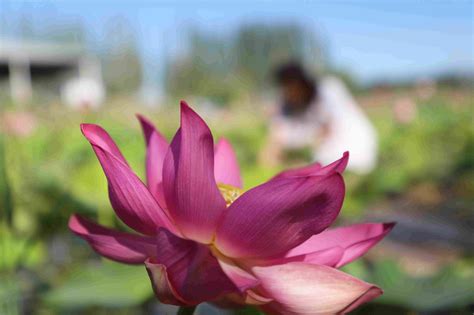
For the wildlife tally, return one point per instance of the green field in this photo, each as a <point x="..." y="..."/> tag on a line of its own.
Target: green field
<point x="426" y="165"/>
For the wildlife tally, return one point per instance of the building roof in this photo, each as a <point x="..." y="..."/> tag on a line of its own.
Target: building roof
<point x="39" y="52"/>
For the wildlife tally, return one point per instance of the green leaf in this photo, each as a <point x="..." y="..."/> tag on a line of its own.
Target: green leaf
<point x="445" y="290"/>
<point x="106" y="284"/>
<point x="10" y="295"/>
<point x="6" y="200"/>
<point x="16" y="251"/>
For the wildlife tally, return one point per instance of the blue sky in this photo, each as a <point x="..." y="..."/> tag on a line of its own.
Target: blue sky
<point x="372" y="39"/>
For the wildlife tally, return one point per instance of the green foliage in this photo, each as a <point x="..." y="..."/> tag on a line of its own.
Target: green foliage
<point x="6" y="201"/>
<point x="10" y="295"/>
<point x="17" y="251"/>
<point x="436" y="148"/>
<point x="221" y="68"/>
<point x="122" y="63"/>
<point x="248" y="311"/>
<point x="106" y="284"/>
<point x="54" y="173"/>
<point x="450" y="288"/>
<point x="258" y="48"/>
<point x="445" y="290"/>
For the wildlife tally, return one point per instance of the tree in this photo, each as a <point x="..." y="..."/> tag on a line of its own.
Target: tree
<point x="218" y="67"/>
<point x="260" y="47"/>
<point x="122" y="63"/>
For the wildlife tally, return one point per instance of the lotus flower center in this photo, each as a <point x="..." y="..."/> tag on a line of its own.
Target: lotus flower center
<point x="230" y="193"/>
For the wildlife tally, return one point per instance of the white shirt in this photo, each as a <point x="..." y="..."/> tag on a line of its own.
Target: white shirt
<point x="349" y="128"/>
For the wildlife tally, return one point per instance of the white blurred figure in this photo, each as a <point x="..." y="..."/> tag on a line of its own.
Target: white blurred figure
<point x="349" y="129"/>
<point x="83" y="93"/>
<point x="86" y="92"/>
<point x="323" y="116"/>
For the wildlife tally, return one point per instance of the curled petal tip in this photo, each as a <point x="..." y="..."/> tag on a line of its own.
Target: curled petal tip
<point x="341" y="164"/>
<point x="355" y="239"/>
<point x="147" y="127"/>
<point x="143" y="119"/>
<point x="119" y="246"/>
<point x="86" y="129"/>
<point x="144" y="122"/>
<point x="73" y="223"/>
<point x="190" y="116"/>
<point x="187" y="111"/>
<point x="223" y="141"/>
<point x="372" y="293"/>
<point x="388" y="226"/>
<point x="98" y="137"/>
<point x="346" y="155"/>
<point x="185" y="108"/>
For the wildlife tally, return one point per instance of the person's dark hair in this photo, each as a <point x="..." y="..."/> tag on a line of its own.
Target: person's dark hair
<point x="293" y="71"/>
<point x="289" y="71"/>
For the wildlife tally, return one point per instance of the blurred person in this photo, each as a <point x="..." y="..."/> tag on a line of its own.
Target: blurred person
<point x="319" y="114"/>
<point x="83" y="94"/>
<point x="86" y="91"/>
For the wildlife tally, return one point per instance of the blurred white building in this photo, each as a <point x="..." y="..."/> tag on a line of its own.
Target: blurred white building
<point x="23" y="62"/>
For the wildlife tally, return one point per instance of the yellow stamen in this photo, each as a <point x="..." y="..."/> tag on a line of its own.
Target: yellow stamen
<point x="230" y="193"/>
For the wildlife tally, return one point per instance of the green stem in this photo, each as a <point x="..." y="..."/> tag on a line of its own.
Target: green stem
<point x="5" y="189"/>
<point x="187" y="310"/>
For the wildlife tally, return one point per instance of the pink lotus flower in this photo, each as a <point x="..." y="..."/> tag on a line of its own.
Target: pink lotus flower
<point x="202" y="238"/>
